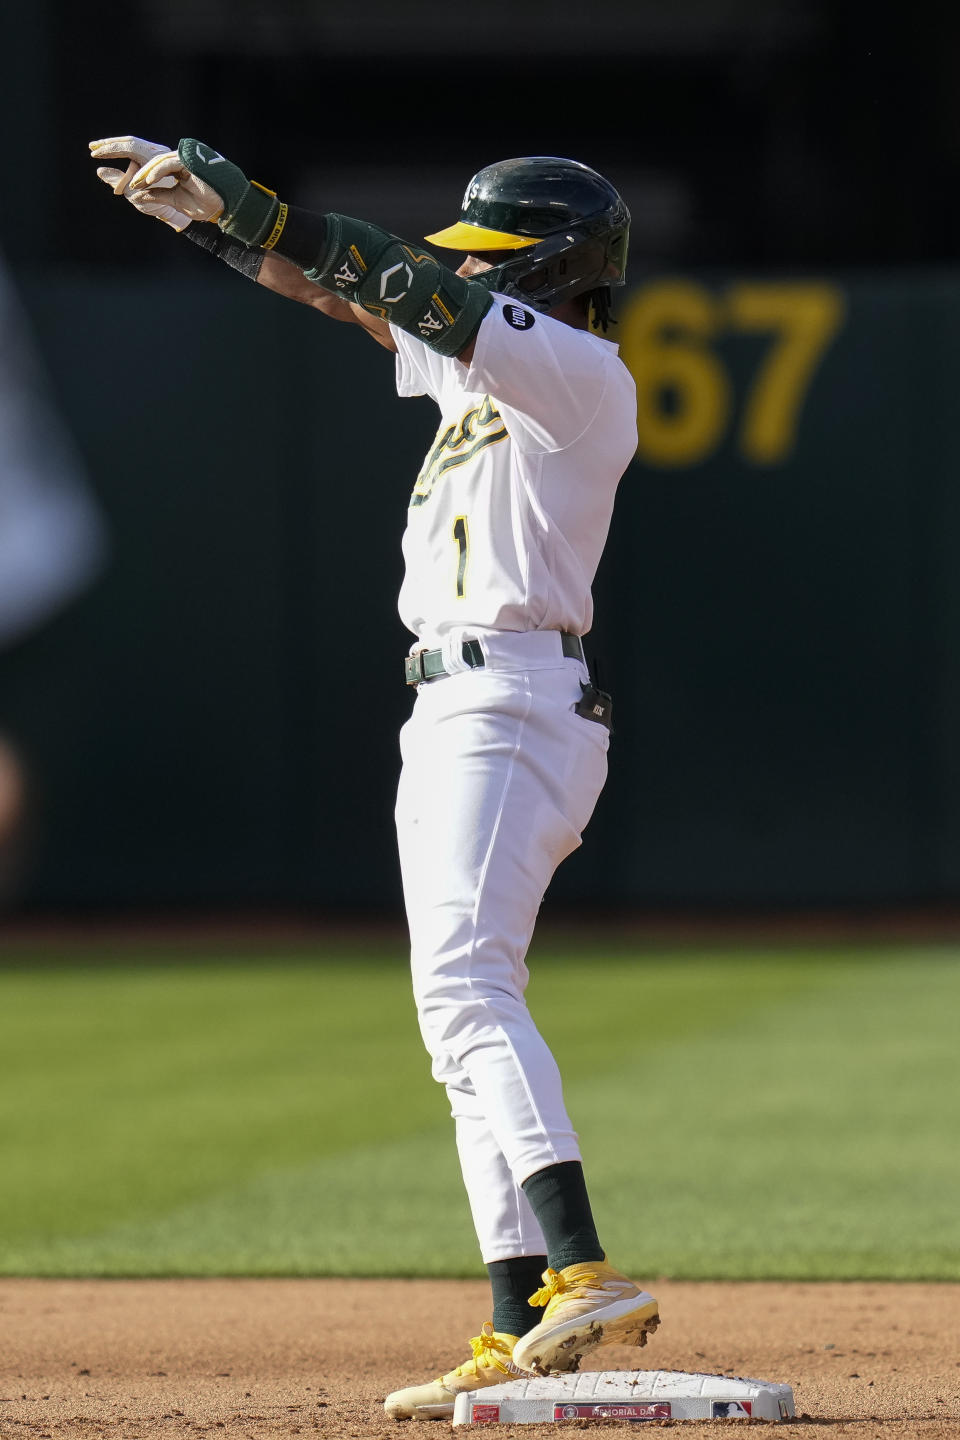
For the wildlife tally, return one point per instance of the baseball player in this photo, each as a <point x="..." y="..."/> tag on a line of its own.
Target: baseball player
<point x="505" y="751"/>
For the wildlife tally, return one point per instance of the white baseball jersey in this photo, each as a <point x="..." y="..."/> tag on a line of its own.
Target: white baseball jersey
<point x="511" y="510"/>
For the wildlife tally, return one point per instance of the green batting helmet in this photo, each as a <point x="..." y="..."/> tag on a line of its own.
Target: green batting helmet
<point x="568" y="225"/>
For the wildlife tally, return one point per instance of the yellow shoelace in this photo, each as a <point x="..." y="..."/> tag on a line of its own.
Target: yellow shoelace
<point x="487" y="1350"/>
<point x="557" y="1285"/>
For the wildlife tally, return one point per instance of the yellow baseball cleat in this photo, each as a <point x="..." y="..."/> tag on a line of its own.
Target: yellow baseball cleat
<point x="492" y="1364"/>
<point x="587" y="1306"/>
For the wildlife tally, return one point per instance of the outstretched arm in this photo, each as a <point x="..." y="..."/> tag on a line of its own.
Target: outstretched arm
<point x="192" y="213"/>
<point x="382" y="274"/>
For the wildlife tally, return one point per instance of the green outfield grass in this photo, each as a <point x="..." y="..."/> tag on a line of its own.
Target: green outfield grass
<point x="771" y="1114"/>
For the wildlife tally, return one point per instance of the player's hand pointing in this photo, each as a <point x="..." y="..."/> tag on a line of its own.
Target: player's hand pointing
<point x="213" y="188"/>
<point x="194" y="196"/>
<point x="156" y="201"/>
<point x="193" y="182"/>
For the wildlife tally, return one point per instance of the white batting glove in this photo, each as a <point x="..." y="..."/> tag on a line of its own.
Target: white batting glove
<point x="156" y="201"/>
<point x="193" y="196"/>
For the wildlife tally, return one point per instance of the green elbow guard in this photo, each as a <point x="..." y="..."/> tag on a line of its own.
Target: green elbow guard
<point x="400" y="284"/>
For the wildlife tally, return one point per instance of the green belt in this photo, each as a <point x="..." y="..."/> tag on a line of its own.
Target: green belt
<point x="428" y="665"/>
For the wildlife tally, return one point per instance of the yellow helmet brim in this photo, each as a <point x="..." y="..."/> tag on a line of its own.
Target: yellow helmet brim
<point x="473" y="238"/>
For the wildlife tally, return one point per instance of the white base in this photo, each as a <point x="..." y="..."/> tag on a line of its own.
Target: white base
<point x="625" y="1395"/>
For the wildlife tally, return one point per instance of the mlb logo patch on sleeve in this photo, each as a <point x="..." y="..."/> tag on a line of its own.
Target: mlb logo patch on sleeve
<point x="519" y="318"/>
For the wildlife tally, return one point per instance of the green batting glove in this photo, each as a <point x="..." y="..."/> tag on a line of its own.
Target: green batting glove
<point x="251" y="213"/>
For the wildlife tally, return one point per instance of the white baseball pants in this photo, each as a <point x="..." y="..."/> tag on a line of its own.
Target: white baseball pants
<point x="499" y="779"/>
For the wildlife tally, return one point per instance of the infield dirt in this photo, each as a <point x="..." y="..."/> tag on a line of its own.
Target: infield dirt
<point x="141" y="1359"/>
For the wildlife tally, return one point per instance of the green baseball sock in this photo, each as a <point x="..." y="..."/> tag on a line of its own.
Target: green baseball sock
<point x="513" y="1282"/>
<point x="558" y="1198"/>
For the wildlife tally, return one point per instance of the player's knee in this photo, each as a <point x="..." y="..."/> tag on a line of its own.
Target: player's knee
<point x="456" y="1020"/>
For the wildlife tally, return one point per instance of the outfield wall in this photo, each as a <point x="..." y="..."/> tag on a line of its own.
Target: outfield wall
<point x="778" y="611"/>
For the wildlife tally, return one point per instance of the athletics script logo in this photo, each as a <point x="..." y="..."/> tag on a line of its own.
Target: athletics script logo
<point x="456" y="444"/>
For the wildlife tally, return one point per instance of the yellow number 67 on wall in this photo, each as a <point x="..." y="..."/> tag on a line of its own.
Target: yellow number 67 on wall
<point x="667" y="331"/>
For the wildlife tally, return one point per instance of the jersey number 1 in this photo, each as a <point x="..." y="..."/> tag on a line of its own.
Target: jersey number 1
<point x="462" y="537"/>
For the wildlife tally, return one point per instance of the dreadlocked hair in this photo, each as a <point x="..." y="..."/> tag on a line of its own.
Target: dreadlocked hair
<point x="598" y="308"/>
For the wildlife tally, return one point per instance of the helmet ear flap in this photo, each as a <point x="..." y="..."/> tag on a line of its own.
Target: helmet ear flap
<point x="535" y="279"/>
<point x="577" y="270"/>
<point x="617" y="249"/>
